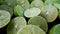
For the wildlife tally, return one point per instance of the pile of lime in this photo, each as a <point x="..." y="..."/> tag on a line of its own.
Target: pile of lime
<point x="29" y="16"/>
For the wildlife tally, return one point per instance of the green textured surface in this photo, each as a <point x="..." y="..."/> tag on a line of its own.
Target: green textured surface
<point x="39" y="21"/>
<point x="16" y="24"/>
<point x="7" y="8"/>
<point x="11" y="3"/>
<point x="4" y="18"/>
<point x="57" y="5"/>
<point x="31" y="29"/>
<point x="24" y="3"/>
<point x="51" y="1"/>
<point x="37" y="3"/>
<point x="49" y="12"/>
<point x="18" y="11"/>
<point x="55" y="29"/>
<point x="32" y="12"/>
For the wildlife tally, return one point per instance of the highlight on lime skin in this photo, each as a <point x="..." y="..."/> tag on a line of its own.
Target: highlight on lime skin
<point x="30" y="16"/>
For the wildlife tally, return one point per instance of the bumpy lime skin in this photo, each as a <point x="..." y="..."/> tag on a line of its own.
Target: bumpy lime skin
<point x="7" y="8"/>
<point x="55" y="29"/>
<point x="18" y="11"/>
<point x="39" y="21"/>
<point x="16" y="24"/>
<point x="31" y="29"/>
<point x="4" y="18"/>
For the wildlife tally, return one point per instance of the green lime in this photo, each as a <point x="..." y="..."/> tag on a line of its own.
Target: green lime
<point x="4" y="18"/>
<point x="51" y="1"/>
<point x="16" y="24"/>
<point x="7" y="8"/>
<point x="11" y="3"/>
<point x="37" y="3"/>
<point x="49" y="12"/>
<point x="31" y="29"/>
<point x="55" y="29"/>
<point x="18" y="11"/>
<point x="57" y="5"/>
<point x="39" y="21"/>
<point x="32" y="12"/>
<point x="24" y="3"/>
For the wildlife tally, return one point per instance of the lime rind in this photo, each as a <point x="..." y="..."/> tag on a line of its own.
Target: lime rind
<point x="57" y="5"/>
<point x="24" y="3"/>
<point x="18" y="11"/>
<point x="7" y="8"/>
<point x="37" y="3"/>
<point x="55" y="29"/>
<point x="4" y="18"/>
<point x="39" y="21"/>
<point x="49" y="12"/>
<point x="11" y="3"/>
<point x="51" y="1"/>
<point x="32" y="12"/>
<point x="16" y="24"/>
<point x="31" y="29"/>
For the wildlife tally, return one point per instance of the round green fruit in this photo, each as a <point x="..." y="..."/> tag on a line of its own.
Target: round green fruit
<point x="39" y="21"/>
<point x="4" y="18"/>
<point x="32" y="12"/>
<point x="49" y="12"/>
<point x="31" y="29"/>
<point x="55" y="29"/>
<point x="16" y="24"/>
<point x="7" y="8"/>
<point x="18" y="11"/>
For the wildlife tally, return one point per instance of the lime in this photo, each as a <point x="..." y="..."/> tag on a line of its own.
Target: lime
<point x="51" y="1"/>
<point x="57" y="5"/>
<point x="11" y="3"/>
<point x="55" y="29"/>
<point x="7" y="8"/>
<point x="18" y="11"/>
<point x="32" y="12"/>
<point x="49" y="12"/>
<point x="24" y="3"/>
<point x="31" y="29"/>
<point x="37" y="3"/>
<point x="4" y="18"/>
<point x="15" y="25"/>
<point x="39" y="21"/>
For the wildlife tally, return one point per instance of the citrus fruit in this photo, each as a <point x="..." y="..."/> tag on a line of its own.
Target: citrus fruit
<point x="18" y="11"/>
<point x="51" y="1"/>
<point x="31" y="29"/>
<point x="32" y="12"/>
<point x="55" y="29"/>
<point x="11" y="3"/>
<point x="49" y="12"/>
<point x="15" y="24"/>
<point x="24" y="3"/>
<point x="7" y="8"/>
<point x="37" y="3"/>
<point x="57" y="5"/>
<point x="4" y="18"/>
<point x="39" y="21"/>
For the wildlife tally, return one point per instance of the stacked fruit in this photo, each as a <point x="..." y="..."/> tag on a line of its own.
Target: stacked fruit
<point x="29" y="16"/>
